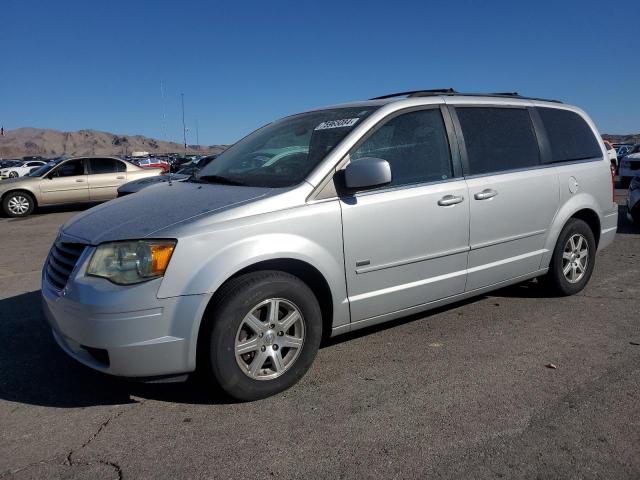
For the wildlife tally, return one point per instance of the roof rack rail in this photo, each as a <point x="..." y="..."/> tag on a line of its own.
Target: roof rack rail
<point x="417" y="93"/>
<point x="451" y="91"/>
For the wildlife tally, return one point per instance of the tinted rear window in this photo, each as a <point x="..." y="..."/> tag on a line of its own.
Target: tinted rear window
<point x="498" y="139"/>
<point x="106" y="165"/>
<point x="570" y="138"/>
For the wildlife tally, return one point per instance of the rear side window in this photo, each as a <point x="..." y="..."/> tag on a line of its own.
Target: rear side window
<point x="570" y="138"/>
<point x="498" y="139"/>
<point x="106" y="165"/>
<point x="415" y="145"/>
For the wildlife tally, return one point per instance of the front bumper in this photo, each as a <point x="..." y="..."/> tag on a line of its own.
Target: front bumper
<point x="124" y="331"/>
<point x="609" y="228"/>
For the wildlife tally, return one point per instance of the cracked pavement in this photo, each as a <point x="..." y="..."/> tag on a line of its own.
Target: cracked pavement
<point x="460" y="392"/>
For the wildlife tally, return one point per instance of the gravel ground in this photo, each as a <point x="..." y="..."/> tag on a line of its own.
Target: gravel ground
<point x="460" y="392"/>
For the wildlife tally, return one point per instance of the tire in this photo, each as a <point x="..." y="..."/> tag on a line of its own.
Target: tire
<point x="259" y="372"/>
<point x="13" y="174"/>
<point x="18" y="204"/>
<point x="575" y="279"/>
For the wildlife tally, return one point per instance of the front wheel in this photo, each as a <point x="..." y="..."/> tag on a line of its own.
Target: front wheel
<point x="18" y="204"/>
<point x="13" y="174"/>
<point x="265" y="330"/>
<point x="573" y="259"/>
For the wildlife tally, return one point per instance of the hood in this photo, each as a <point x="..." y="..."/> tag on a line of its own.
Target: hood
<point x="8" y="183"/>
<point x="156" y="208"/>
<point x="137" y="185"/>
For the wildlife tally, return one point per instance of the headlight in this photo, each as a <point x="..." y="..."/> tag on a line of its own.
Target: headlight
<point x="130" y="262"/>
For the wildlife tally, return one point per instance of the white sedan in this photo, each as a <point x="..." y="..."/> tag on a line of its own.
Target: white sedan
<point x="20" y="170"/>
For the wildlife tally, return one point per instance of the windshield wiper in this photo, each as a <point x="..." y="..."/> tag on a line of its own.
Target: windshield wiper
<point x="219" y="179"/>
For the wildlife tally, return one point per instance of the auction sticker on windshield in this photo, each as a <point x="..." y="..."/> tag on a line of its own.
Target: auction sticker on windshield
<point x="346" y="122"/>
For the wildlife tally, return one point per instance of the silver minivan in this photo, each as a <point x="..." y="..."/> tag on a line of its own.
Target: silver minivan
<point x="325" y="222"/>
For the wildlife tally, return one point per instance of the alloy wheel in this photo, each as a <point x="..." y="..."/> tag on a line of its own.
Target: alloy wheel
<point x="269" y="339"/>
<point x="18" y="205"/>
<point x="575" y="258"/>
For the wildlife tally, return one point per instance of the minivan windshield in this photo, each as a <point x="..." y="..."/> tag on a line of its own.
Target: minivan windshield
<point x="283" y="153"/>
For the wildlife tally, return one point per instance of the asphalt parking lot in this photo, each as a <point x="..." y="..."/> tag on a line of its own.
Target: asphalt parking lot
<point x="461" y="392"/>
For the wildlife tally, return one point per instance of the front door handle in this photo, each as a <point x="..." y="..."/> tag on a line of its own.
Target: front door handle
<point x="79" y="180"/>
<point x="485" y="194"/>
<point x="449" y="200"/>
<point x="120" y="177"/>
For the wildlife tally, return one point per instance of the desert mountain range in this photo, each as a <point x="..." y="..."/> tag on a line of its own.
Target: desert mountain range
<point x="631" y="138"/>
<point x="51" y="143"/>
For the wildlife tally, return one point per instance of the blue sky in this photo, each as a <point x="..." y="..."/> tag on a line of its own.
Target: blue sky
<point x="70" y="65"/>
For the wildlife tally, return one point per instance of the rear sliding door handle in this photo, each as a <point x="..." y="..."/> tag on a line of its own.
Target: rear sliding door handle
<point x="448" y="200"/>
<point x="120" y="178"/>
<point x="485" y="194"/>
<point x="79" y="180"/>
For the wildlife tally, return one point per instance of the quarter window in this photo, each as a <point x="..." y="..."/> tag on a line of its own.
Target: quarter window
<point x="570" y="138"/>
<point x="415" y="145"/>
<point x="498" y="139"/>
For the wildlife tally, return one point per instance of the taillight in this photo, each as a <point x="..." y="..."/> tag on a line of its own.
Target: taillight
<point x="613" y="183"/>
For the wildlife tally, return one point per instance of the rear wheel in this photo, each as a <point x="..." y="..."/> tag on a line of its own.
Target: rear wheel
<point x="264" y="334"/>
<point x="18" y="204"/>
<point x="573" y="259"/>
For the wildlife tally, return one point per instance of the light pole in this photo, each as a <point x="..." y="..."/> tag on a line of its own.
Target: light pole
<point x="184" y="127"/>
<point x="197" y="135"/>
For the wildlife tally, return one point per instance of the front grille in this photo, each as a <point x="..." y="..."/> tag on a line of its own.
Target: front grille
<point x="62" y="259"/>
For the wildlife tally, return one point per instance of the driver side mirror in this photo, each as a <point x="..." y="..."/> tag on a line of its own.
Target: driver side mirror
<point x="367" y="172"/>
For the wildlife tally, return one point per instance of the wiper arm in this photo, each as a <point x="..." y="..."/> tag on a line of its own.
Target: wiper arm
<point x="219" y="179"/>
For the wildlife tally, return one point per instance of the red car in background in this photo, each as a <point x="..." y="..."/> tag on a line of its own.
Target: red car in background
<point x="154" y="163"/>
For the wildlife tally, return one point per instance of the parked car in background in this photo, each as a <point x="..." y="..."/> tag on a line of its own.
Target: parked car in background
<point x="613" y="155"/>
<point x="73" y="180"/>
<point x="9" y="163"/>
<point x="179" y="162"/>
<point x="622" y="149"/>
<point x="152" y="162"/>
<point x="329" y="221"/>
<point x="20" y="169"/>
<point x="633" y="200"/>
<point x="180" y="176"/>
<point x="629" y="166"/>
